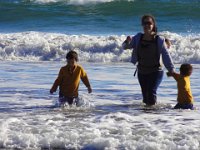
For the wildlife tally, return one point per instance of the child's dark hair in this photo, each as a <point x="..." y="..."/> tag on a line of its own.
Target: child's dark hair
<point x="72" y="55"/>
<point x="153" y="19"/>
<point x="185" y="69"/>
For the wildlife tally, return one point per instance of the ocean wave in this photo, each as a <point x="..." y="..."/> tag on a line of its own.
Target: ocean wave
<point x="76" y="2"/>
<point x="83" y="2"/>
<point x="98" y="17"/>
<point x="39" y="46"/>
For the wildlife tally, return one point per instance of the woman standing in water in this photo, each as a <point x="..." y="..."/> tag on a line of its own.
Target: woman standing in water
<point x="148" y="51"/>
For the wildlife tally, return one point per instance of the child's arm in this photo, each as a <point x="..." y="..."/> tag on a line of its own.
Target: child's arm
<point x="85" y="80"/>
<point x="173" y="74"/>
<point x="87" y="83"/>
<point x="56" y="82"/>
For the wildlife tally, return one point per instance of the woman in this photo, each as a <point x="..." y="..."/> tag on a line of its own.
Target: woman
<point x="148" y="51"/>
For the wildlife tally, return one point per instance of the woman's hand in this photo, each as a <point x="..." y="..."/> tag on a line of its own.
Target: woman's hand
<point x="169" y="74"/>
<point x="128" y="40"/>
<point x="126" y="43"/>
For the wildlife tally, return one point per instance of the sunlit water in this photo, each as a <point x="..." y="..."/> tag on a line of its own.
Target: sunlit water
<point x="112" y="117"/>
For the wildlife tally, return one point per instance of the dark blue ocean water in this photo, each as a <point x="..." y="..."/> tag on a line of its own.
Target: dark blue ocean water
<point x="98" y="16"/>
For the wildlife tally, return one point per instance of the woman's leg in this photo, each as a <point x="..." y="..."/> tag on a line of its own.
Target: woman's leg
<point x="154" y="81"/>
<point x="144" y="86"/>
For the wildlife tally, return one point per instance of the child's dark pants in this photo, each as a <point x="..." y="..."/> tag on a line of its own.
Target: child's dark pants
<point x="184" y="106"/>
<point x="64" y="99"/>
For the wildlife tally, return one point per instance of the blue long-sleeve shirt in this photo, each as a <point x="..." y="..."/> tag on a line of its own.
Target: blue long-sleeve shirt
<point x="162" y="50"/>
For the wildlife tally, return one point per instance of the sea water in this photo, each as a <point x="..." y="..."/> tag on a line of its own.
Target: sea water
<point x="98" y="16"/>
<point x="35" y="36"/>
<point x="112" y="117"/>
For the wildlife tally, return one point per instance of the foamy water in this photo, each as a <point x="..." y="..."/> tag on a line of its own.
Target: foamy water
<point x="113" y="118"/>
<point x="35" y="37"/>
<point x="38" y="46"/>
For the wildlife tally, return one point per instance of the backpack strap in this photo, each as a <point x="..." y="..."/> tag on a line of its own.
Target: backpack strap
<point x="157" y="48"/>
<point x="139" y="43"/>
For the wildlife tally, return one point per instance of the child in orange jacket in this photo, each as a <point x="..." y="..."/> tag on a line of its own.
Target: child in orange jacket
<point x="69" y="78"/>
<point x="185" y="98"/>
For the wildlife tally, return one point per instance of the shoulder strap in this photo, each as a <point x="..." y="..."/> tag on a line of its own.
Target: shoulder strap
<point x="139" y="43"/>
<point x="157" y="48"/>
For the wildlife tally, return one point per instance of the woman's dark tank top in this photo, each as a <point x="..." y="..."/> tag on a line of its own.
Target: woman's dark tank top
<point x="148" y="57"/>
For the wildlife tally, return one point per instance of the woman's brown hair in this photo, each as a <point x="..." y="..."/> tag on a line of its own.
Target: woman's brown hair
<point x="153" y="19"/>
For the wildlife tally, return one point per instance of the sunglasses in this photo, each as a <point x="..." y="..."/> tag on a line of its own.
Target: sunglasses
<point x="147" y="23"/>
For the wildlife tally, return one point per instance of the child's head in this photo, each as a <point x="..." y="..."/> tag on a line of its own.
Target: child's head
<point x="186" y="69"/>
<point x="72" y="58"/>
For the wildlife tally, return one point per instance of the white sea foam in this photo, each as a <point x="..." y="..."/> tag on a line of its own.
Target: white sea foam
<point x="116" y="120"/>
<point x="76" y="2"/>
<point x="37" y="46"/>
